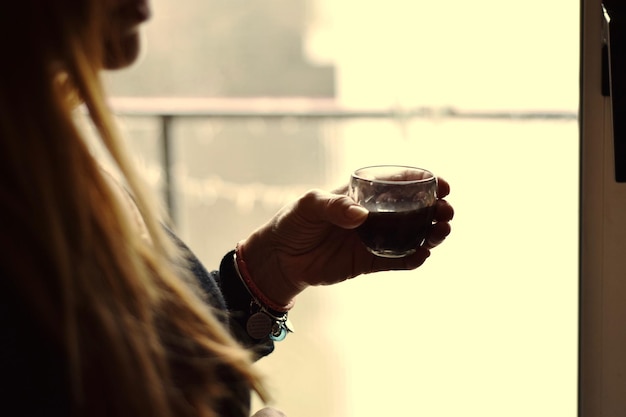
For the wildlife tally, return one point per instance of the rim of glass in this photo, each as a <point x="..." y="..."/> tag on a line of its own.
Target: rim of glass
<point x="431" y="178"/>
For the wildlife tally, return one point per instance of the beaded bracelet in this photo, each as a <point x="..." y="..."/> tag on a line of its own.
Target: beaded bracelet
<point x="265" y="320"/>
<point x="254" y="291"/>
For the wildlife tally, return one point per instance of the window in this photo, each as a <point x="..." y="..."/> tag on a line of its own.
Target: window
<point x="267" y="98"/>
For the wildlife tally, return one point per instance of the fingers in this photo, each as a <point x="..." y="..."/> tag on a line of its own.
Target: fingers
<point x="437" y="234"/>
<point x="444" y="212"/>
<point x="443" y="188"/>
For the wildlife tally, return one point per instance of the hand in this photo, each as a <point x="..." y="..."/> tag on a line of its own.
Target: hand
<point x="313" y="242"/>
<point x="269" y="412"/>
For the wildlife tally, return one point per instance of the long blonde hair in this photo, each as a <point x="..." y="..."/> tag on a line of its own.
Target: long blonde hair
<point x="136" y="338"/>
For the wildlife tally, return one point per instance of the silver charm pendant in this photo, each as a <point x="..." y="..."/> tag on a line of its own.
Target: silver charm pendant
<point x="259" y="325"/>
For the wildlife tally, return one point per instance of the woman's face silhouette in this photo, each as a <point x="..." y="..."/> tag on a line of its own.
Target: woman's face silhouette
<point x="122" y="40"/>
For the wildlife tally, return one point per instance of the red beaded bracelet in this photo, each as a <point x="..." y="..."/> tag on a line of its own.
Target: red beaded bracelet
<point x="255" y="292"/>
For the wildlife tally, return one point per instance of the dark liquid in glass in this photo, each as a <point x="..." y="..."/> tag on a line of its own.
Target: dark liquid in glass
<point x="396" y="233"/>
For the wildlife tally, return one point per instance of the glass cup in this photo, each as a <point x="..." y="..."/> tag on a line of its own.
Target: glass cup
<point x="401" y="204"/>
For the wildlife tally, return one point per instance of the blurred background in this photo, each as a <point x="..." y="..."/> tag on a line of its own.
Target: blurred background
<point x="236" y="107"/>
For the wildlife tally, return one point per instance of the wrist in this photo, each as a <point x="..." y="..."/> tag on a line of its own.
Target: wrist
<point x="259" y="321"/>
<point x="264" y="279"/>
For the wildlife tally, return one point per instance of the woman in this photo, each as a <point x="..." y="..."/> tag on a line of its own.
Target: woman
<point x="103" y="311"/>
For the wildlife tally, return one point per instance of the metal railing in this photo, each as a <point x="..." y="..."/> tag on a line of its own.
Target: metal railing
<point x="166" y="110"/>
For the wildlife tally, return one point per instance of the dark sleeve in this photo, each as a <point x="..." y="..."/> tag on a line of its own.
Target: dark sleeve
<point x="225" y="291"/>
<point x="238" y="302"/>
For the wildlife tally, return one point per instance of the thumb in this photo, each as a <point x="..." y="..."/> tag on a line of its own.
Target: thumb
<point x="354" y="216"/>
<point x="337" y="209"/>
